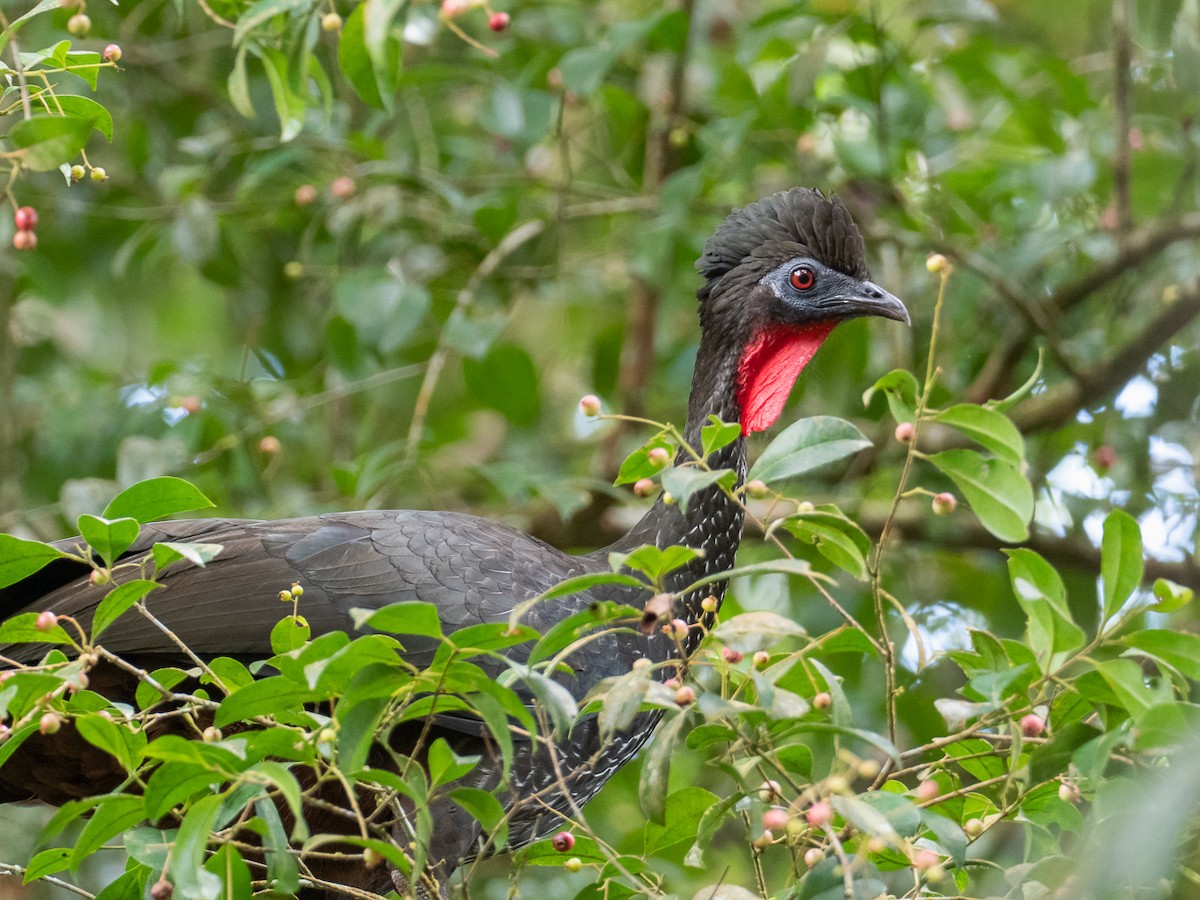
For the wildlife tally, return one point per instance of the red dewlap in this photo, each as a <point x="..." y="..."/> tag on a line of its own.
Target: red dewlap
<point x="770" y="365"/>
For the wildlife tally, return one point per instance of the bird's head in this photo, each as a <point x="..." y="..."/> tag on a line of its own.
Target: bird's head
<point x="779" y="275"/>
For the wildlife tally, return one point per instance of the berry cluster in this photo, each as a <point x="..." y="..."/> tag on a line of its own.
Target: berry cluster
<point x="26" y="219"/>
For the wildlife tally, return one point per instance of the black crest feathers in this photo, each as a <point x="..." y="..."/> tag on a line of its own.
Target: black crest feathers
<point x="797" y="222"/>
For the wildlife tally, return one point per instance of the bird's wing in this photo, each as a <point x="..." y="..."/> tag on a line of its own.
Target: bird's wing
<point x="473" y="570"/>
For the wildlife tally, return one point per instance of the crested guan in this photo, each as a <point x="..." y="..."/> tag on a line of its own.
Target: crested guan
<point x="778" y="276"/>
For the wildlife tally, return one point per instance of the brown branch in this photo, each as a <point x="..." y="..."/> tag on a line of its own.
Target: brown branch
<point x="1140" y="247"/>
<point x="1071" y="552"/>
<point x="1122" y="100"/>
<point x="1060" y="404"/>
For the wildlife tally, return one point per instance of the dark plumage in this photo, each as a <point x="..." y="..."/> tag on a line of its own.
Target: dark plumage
<point x="475" y="570"/>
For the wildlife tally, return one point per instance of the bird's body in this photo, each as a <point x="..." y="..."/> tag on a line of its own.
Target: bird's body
<point x="779" y="274"/>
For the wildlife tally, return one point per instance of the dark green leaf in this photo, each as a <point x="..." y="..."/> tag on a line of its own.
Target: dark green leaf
<point x="118" y="601"/>
<point x="1121" y="564"/>
<point x="410" y="617"/>
<point x="987" y="427"/>
<point x="718" y="434"/>
<point x="87" y="110"/>
<point x="108" y="537"/>
<point x="681" y="482"/>
<point x="46" y="141"/>
<point x="656" y="770"/>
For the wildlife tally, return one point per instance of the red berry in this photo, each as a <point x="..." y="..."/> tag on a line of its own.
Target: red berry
<point x="944" y="503"/>
<point x="731" y="656"/>
<point x="563" y="842"/>
<point x="775" y="819"/>
<point x="25" y="218"/>
<point x="822" y="701"/>
<point x="905" y="432"/>
<point x="499" y="21"/>
<point x="589" y="404"/>
<point x="113" y="53"/>
<point x="45" y="620"/>
<point x="1032" y="725"/>
<point x="1104" y="458"/>
<point x="342" y="187"/>
<point x="820" y="813"/>
<point x="25" y="240"/>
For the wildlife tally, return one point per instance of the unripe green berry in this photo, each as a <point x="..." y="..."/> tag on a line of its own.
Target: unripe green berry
<point x="574" y="864"/>
<point x="79" y="24"/>
<point x="99" y="174"/>
<point x="330" y="22"/>
<point x="78" y="172"/>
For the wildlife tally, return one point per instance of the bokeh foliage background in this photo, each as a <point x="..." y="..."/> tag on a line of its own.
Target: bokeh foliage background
<point x="528" y="217"/>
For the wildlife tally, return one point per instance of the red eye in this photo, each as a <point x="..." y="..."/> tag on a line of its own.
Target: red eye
<point x="802" y="278"/>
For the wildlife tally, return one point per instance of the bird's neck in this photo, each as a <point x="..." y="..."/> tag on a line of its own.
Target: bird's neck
<point x="713" y="521"/>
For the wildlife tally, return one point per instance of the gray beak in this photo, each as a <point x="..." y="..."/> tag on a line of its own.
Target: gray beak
<point x="872" y="300"/>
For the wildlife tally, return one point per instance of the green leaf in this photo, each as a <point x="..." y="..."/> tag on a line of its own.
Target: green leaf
<point x="1023" y="391"/>
<point x="1000" y="496"/>
<point x="656" y="770"/>
<point x="129" y="885"/>
<point x="114" y="815"/>
<point x="167" y="552"/>
<point x="118" y="601"/>
<point x="638" y="465"/>
<point x="654" y="562"/>
<point x="22" y="629"/>
<point x="681" y="482"/>
<point x="47" y="863"/>
<point x="717" y="435"/>
<point x="20" y="558"/>
<point x="289" y="633"/>
<point x="238" y="87"/>
<point x="807" y="446"/>
<point x="85" y="64"/>
<point x="410" y="617"/>
<point x="444" y="765"/>
<point x="290" y="105"/>
<point x="1040" y="592"/>
<point x="261" y="12"/>
<point x="108" y="537"/>
<point x="156" y="498"/>
<point x="1179" y="649"/>
<point x="46" y="141"/>
<point x="1121" y="563"/>
<point x="986" y="427"/>
<point x="836" y="537"/>
<point x="118" y="740"/>
<point x="268" y="696"/>
<point x="485" y="809"/>
<point x="752" y="631"/>
<point x="355" y="62"/>
<point x="227" y="864"/>
<point x="190" y="848"/>
<point x="87" y="110"/>
<point x="1170" y="596"/>
<point x="900" y="388"/>
<point x="1128" y="683"/>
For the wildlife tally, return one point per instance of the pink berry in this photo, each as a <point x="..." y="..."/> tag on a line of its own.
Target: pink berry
<point x="812" y="856"/>
<point x="676" y="628"/>
<point x="1068" y="792"/>
<point x="563" y="842"/>
<point x="658" y="457"/>
<point x="25" y="218"/>
<point x="162" y="890"/>
<point x="25" y="240"/>
<point x="822" y="701"/>
<point x="113" y="53"/>
<point x="927" y="790"/>
<point x="452" y="8"/>
<point x="905" y="432"/>
<point x="644" y="487"/>
<point x="305" y="195"/>
<point x="45" y="620"/>
<point x="50" y="723"/>
<point x="1104" y="458"/>
<point x="820" y="813"/>
<point x="925" y="859"/>
<point x="499" y="21"/>
<point x="342" y="187"/>
<point x="685" y="695"/>
<point x="768" y="791"/>
<point x="775" y="819"/>
<point x="589" y="405"/>
<point x="764" y="840"/>
<point x="269" y="445"/>
<point x="944" y="503"/>
<point x="731" y="656"/>
<point x="1032" y="725"/>
<point x="757" y="489"/>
